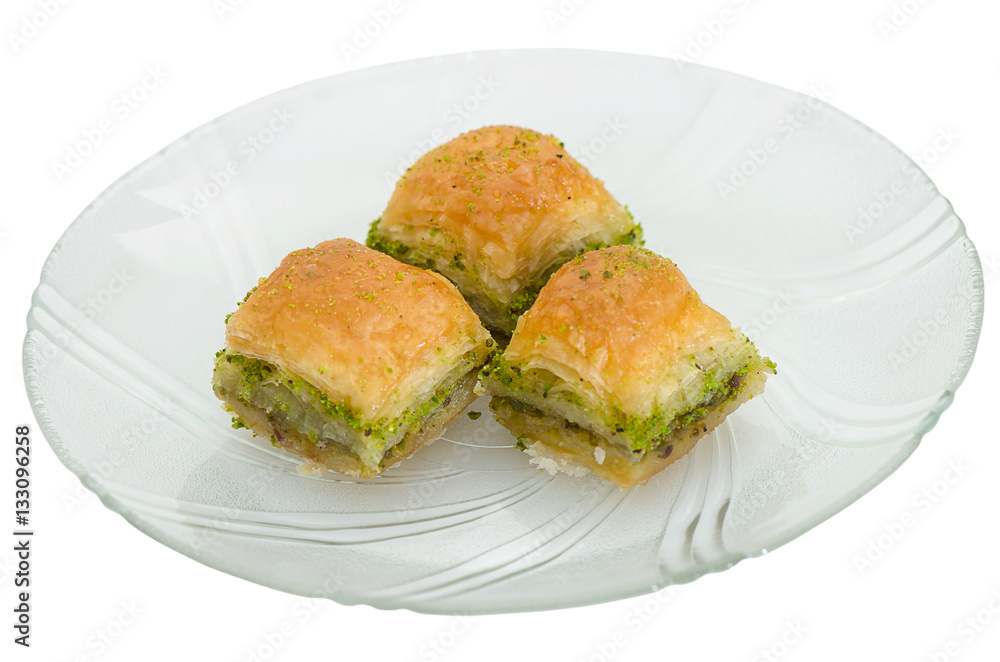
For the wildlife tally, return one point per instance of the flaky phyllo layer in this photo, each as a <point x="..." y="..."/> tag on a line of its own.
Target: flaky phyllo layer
<point x="497" y="210"/>
<point x="703" y="383"/>
<point x="498" y="302"/>
<point x="620" y="368"/>
<point x="297" y="415"/>
<point x="349" y="358"/>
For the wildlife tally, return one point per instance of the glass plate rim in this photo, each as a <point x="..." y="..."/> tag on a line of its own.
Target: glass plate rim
<point x="960" y="371"/>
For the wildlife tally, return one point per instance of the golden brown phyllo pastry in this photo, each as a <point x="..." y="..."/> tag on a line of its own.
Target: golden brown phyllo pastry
<point x="497" y="210"/>
<point x="619" y="368"/>
<point x="349" y="358"/>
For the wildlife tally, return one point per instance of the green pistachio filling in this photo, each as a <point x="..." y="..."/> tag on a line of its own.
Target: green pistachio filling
<point x="451" y="263"/>
<point x="396" y="249"/>
<point x="526" y="296"/>
<point x="641" y="433"/>
<point x="311" y="413"/>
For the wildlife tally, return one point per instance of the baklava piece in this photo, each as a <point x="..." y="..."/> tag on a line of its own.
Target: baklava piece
<point x="349" y="358"/>
<point x="619" y="368"/>
<point x="497" y="210"/>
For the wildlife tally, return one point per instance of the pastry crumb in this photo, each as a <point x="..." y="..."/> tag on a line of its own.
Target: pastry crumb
<point x="599" y="454"/>
<point x="554" y="465"/>
<point x="313" y="469"/>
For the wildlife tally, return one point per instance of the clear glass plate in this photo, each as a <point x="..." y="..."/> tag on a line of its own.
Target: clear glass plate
<point x="820" y="238"/>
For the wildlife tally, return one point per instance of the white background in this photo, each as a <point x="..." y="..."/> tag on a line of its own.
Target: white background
<point x="936" y="73"/>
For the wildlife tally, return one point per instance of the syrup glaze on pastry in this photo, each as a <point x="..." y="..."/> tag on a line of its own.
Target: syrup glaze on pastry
<point x="349" y="358"/>
<point x="497" y="210"/>
<point x="620" y="367"/>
